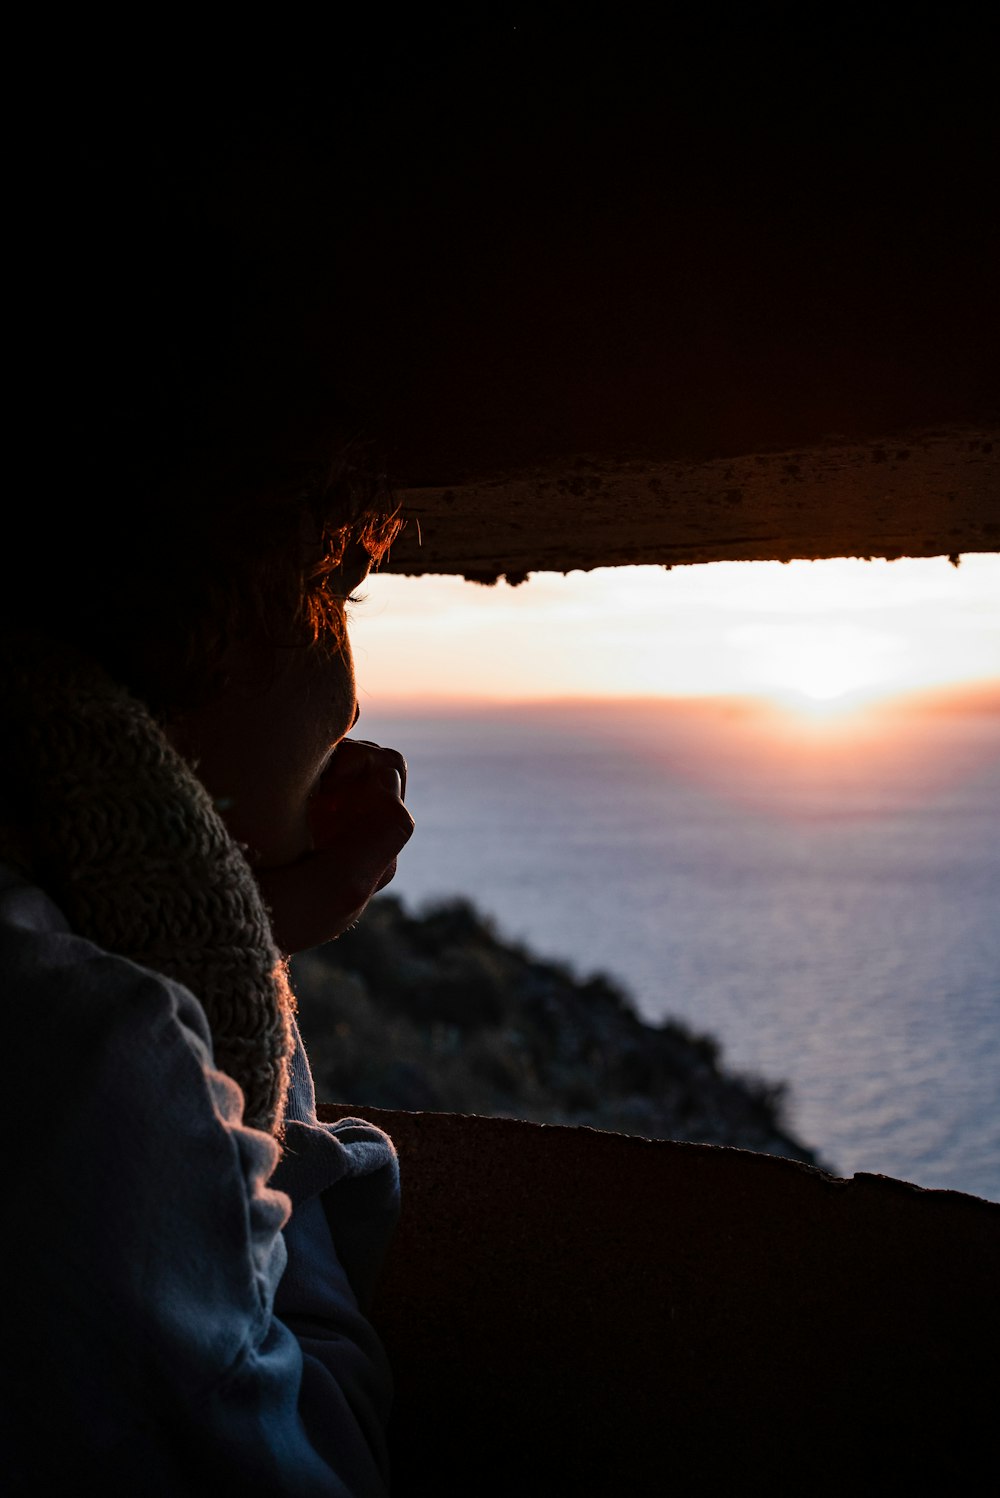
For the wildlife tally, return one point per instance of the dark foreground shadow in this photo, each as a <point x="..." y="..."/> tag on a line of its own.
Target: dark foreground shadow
<point x="569" y="1311"/>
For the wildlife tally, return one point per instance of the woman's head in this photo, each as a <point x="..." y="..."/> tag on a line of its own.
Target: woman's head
<point x="188" y="488"/>
<point x="162" y="589"/>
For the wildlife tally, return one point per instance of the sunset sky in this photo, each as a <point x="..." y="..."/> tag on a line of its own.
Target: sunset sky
<point x="824" y="633"/>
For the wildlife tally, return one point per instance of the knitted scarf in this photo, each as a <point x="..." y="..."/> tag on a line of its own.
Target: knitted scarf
<point x="100" y="810"/>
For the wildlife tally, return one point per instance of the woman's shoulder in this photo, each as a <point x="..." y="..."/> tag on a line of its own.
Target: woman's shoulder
<point x="147" y="1244"/>
<point x="88" y="1020"/>
<point x="123" y="1114"/>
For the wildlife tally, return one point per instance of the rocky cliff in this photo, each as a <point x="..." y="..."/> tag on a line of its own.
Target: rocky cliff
<point x="437" y="1012"/>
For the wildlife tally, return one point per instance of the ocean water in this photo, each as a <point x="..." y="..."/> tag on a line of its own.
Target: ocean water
<point x="824" y="900"/>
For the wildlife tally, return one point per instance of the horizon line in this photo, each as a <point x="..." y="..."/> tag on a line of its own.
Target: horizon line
<point x="980" y="691"/>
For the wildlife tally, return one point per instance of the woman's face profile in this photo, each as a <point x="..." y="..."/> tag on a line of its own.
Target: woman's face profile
<point x="320" y="828"/>
<point x="261" y="746"/>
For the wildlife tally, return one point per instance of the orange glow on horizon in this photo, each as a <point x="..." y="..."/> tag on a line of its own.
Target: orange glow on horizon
<point x="785" y="756"/>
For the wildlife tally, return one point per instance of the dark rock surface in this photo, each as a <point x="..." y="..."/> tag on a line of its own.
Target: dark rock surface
<point x="437" y="1013"/>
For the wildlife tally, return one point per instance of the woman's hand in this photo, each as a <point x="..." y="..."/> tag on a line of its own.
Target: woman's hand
<point x="358" y="824"/>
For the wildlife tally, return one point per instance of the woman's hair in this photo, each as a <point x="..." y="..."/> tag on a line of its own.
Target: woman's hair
<point x="157" y="591"/>
<point x="185" y="485"/>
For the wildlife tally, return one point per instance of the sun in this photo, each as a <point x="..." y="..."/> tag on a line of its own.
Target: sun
<point x="829" y="680"/>
<point x="814" y="714"/>
<point x="822" y="668"/>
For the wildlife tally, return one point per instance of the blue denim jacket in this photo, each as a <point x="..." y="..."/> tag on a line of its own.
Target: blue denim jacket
<point x="183" y="1316"/>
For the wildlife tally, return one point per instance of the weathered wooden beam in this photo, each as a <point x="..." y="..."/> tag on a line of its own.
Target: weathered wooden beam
<point x="928" y="493"/>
